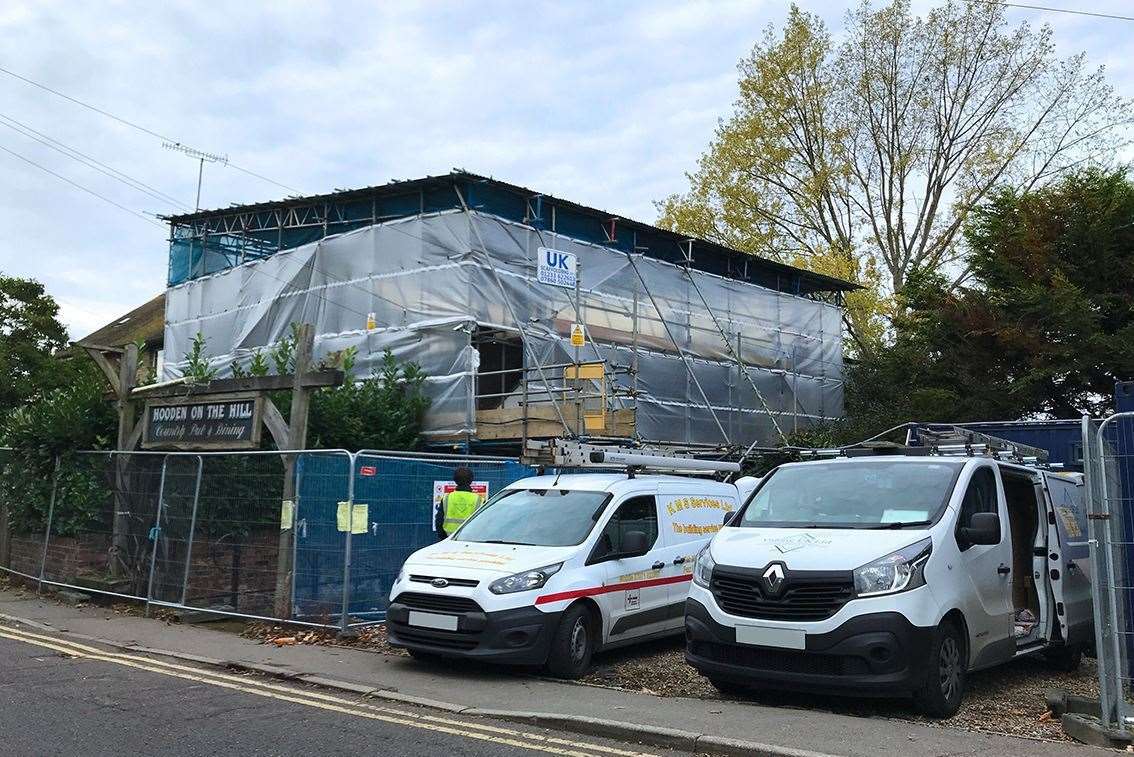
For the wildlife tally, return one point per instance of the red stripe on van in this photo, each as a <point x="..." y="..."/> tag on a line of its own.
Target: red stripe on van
<point x="595" y="590"/>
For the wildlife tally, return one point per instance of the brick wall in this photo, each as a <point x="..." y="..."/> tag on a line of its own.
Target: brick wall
<point x="222" y="572"/>
<point x="67" y="556"/>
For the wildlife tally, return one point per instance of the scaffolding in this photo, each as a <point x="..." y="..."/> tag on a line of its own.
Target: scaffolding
<point x="675" y="351"/>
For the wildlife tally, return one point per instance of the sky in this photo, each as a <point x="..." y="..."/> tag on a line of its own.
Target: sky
<point x="606" y="104"/>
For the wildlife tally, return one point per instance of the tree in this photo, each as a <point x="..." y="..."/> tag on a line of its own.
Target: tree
<point x="869" y="155"/>
<point x="1044" y="328"/>
<point x="30" y="334"/>
<point x="71" y="413"/>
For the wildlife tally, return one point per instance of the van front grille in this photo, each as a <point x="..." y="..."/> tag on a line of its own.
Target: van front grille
<point x="779" y="660"/>
<point x="443" y="639"/>
<point x="437" y="603"/>
<point x="468" y="583"/>
<point x="806" y="596"/>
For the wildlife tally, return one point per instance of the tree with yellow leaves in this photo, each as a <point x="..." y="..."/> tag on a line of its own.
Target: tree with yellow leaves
<point x="863" y="158"/>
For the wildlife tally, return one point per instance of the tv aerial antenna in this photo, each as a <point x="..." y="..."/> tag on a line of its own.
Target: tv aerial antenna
<point x="202" y="158"/>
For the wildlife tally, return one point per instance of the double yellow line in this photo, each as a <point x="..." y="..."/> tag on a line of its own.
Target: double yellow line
<point x="461" y="728"/>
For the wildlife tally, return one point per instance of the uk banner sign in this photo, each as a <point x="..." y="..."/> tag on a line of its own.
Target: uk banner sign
<point x="556" y="267"/>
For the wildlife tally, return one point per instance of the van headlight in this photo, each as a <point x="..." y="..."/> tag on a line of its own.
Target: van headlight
<point x="703" y="568"/>
<point x="898" y="571"/>
<point x="526" y="581"/>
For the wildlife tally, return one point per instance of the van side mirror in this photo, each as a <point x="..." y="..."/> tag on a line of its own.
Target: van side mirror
<point x="728" y="518"/>
<point x="983" y="528"/>
<point x="634" y="544"/>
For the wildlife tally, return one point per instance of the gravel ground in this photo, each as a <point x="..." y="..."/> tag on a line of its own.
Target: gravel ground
<point x="1009" y="699"/>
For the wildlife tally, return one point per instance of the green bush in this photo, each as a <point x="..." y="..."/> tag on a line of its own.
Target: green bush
<point x="382" y="411"/>
<point x="71" y="414"/>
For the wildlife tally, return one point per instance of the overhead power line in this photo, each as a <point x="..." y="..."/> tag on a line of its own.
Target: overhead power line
<point x="133" y="125"/>
<point x="87" y="160"/>
<point x="1058" y="10"/>
<point x="78" y="186"/>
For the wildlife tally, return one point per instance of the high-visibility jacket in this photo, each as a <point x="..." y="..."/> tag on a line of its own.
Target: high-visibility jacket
<point x="457" y="507"/>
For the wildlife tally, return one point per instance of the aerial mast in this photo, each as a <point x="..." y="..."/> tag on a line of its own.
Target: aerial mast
<point x="201" y="157"/>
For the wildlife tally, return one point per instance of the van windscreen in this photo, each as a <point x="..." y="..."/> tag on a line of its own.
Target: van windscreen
<point x="866" y="494"/>
<point x="538" y="517"/>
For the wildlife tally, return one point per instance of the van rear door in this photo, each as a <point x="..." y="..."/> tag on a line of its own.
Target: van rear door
<point x="1069" y="564"/>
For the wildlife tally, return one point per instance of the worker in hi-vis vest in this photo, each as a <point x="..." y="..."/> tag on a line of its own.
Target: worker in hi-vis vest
<point x="457" y="505"/>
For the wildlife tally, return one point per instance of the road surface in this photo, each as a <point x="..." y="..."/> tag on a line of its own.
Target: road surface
<point x="63" y="697"/>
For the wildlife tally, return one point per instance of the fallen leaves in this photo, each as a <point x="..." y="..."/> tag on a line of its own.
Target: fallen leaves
<point x="372" y="637"/>
<point x="1009" y="699"/>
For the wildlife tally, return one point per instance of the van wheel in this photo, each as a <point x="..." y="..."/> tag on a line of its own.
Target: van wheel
<point x="1064" y="659"/>
<point x="573" y="644"/>
<point x="944" y="687"/>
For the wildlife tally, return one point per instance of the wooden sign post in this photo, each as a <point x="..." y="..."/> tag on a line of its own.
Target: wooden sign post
<point x="222" y="414"/>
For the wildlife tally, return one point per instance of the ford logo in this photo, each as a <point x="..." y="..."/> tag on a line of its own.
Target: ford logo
<point x="439" y="583"/>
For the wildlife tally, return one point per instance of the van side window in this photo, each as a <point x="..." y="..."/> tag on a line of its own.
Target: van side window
<point x="979" y="498"/>
<point x="635" y="514"/>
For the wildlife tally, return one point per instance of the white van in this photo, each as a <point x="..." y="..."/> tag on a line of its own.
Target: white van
<point x="892" y="575"/>
<point x="553" y="568"/>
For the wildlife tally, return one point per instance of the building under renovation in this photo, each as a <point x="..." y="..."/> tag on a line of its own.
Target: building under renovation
<point x="533" y="317"/>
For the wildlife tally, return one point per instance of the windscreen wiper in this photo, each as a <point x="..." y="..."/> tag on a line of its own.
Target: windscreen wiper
<point x="901" y="524"/>
<point x="501" y="541"/>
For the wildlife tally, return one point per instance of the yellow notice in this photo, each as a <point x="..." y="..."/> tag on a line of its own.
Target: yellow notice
<point x="356" y="525"/>
<point x="287" y="514"/>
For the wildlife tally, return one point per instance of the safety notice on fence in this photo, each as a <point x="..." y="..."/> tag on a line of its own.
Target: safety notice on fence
<point x="354" y="520"/>
<point x="441" y="488"/>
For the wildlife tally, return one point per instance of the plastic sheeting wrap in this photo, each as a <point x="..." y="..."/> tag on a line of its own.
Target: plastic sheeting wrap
<point x="429" y="284"/>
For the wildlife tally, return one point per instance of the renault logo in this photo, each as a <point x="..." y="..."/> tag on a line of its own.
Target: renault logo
<point x="439" y="583"/>
<point x="774" y="578"/>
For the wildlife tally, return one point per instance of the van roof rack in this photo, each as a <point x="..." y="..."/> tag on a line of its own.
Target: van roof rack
<point x="943" y="440"/>
<point x="948" y="439"/>
<point x="569" y="453"/>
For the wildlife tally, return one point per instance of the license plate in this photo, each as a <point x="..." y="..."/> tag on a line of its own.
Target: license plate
<point x="433" y="620"/>
<point x="763" y="636"/>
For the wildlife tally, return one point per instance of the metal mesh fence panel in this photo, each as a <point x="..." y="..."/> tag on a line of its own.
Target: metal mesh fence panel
<point x="21" y="534"/>
<point x="181" y="483"/>
<point x="101" y="520"/>
<point x="322" y="486"/>
<point x="315" y="537"/>
<point x="395" y="501"/>
<point x="231" y="537"/>
<point x="1109" y="455"/>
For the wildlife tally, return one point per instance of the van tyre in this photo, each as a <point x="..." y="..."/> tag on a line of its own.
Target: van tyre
<point x="940" y="696"/>
<point x="573" y="644"/>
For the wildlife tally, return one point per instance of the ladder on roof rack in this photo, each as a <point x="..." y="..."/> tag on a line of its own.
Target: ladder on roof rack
<point x="944" y="440"/>
<point x="568" y="453"/>
<point x="956" y="440"/>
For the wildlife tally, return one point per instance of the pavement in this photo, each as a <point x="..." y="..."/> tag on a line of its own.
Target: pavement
<point x="704" y="726"/>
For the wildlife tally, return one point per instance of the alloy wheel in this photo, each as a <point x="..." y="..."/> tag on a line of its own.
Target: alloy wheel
<point x="949" y="668"/>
